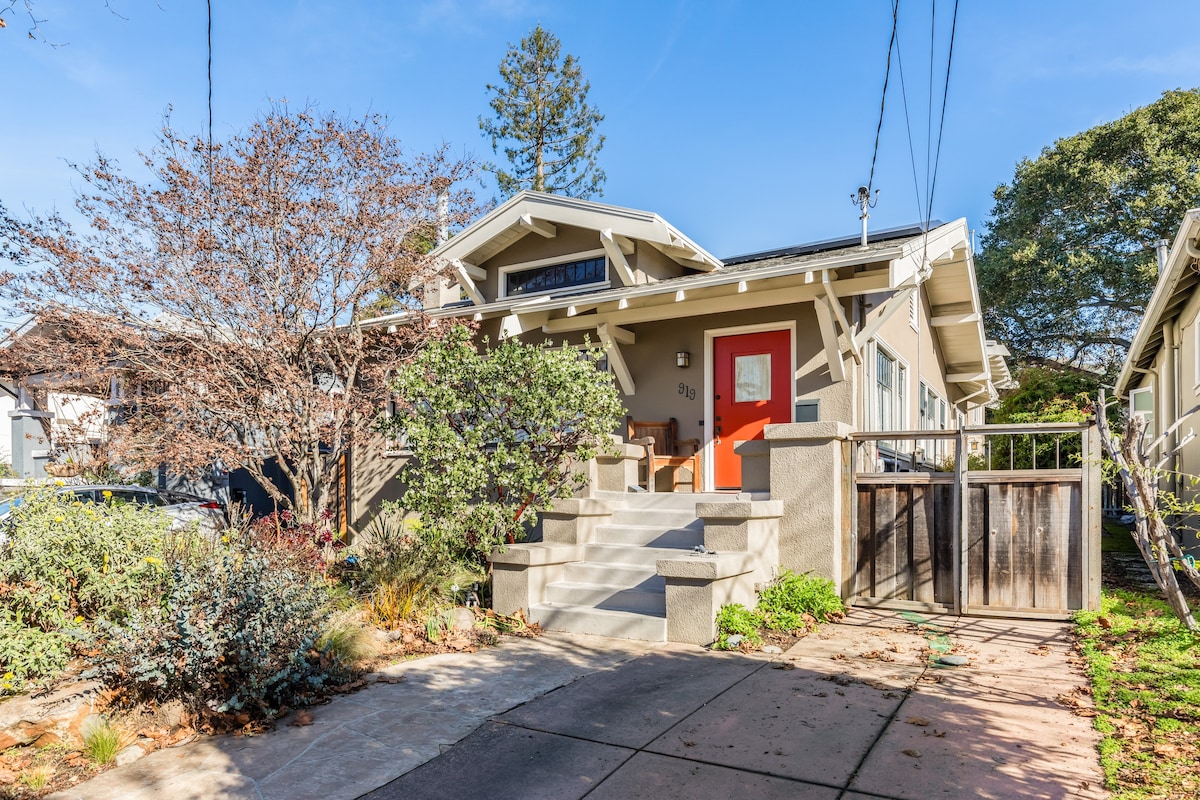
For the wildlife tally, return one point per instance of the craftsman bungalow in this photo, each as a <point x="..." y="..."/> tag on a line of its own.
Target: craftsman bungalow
<point x="1161" y="375"/>
<point x="749" y="372"/>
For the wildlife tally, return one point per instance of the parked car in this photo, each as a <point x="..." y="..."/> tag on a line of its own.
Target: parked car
<point x="183" y="509"/>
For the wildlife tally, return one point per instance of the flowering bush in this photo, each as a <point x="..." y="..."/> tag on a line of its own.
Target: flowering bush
<point x="65" y="564"/>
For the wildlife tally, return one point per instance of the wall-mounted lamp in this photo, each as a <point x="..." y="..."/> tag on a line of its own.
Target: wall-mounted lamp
<point x="683" y="358"/>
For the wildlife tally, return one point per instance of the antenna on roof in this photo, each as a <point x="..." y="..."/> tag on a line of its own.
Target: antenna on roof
<point x="864" y="201"/>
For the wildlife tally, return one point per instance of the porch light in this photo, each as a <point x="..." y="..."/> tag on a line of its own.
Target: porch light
<point x="683" y="358"/>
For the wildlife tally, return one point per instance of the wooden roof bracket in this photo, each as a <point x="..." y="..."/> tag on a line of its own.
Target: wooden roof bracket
<point x="610" y="336"/>
<point x="835" y="305"/>
<point x="613" y="250"/>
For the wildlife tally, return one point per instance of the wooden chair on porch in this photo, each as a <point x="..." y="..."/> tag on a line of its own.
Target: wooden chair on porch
<point x="663" y="450"/>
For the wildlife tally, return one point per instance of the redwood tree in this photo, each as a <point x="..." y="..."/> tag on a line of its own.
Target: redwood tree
<point x="227" y="290"/>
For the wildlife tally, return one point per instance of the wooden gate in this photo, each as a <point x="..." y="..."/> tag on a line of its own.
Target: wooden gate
<point x="970" y="522"/>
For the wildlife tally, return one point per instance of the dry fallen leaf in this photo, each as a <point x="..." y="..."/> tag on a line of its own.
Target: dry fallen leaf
<point x="917" y="721"/>
<point x="302" y="719"/>
<point x="913" y="753"/>
<point x="390" y="679"/>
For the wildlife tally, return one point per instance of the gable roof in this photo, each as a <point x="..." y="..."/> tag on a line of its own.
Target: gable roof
<point x="536" y="212"/>
<point x="1177" y="283"/>
<point x="899" y="261"/>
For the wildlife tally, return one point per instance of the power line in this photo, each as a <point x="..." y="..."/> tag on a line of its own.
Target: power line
<point x="210" y="87"/>
<point x="942" y="122"/>
<point x="912" y="155"/>
<point x="929" y="105"/>
<point x="883" y="98"/>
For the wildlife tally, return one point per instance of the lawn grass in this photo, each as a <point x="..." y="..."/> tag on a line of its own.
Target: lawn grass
<point x="1117" y="538"/>
<point x="1145" y="674"/>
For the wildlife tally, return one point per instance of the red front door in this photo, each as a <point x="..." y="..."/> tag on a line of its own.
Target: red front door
<point x="752" y="385"/>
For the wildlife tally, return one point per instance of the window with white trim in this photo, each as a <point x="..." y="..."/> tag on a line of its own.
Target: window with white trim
<point x="1141" y="406"/>
<point x="891" y="379"/>
<point x="550" y="278"/>
<point x="931" y="409"/>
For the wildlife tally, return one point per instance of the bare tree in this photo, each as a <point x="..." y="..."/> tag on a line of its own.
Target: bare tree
<point x="227" y="291"/>
<point x="1140" y="473"/>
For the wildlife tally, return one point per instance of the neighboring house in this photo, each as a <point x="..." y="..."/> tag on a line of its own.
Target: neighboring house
<point x="1160" y="379"/>
<point x="787" y="350"/>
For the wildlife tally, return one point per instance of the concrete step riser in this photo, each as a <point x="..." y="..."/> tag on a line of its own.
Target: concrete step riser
<point x="600" y="623"/>
<point x="656" y="517"/>
<point x="607" y="597"/>
<point x="646" y="536"/>
<point x="639" y="577"/>
<point x="629" y="555"/>
<point x="666" y="501"/>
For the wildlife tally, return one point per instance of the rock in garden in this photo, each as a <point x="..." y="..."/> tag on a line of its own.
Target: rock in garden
<point x="464" y="619"/>
<point x="954" y="661"/>
<point x="772" y="649"/>
<point x="129" y="755"/>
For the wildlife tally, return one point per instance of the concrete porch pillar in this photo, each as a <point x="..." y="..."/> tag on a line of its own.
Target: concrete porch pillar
<point x="808" y="474"/>
<point x="30" y="444"/>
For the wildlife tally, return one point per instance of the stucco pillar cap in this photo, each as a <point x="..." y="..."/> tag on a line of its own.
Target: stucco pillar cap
<point x="802" y="431"/>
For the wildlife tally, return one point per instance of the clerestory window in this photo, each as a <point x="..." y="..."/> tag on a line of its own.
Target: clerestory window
<point x="553" y="277"/>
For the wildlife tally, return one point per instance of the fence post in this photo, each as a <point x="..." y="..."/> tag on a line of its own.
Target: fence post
<point x="961" y="520"/>
<point x="1090" y="527"/>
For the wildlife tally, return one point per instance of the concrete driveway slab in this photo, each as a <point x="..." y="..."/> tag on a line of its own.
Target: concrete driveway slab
<point x="361" y="741"/>
<point x="655" y="777"/>
<point x="856" y="711"/>
<point x="958" y="741"/>
<point x="508" y="761"/>
<point x="635" y="704"/>
<point x="796" y="723"/>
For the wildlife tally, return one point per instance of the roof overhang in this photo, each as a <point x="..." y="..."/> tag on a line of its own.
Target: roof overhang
<point x="538" y="213"/>
<point x="939" y="260"/>
<point x="1177" y="283"/>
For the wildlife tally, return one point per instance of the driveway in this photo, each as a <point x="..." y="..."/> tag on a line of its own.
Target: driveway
<point x="855" y="711"/>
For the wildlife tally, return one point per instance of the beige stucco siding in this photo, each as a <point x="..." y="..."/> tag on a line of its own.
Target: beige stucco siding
<point x="917" y="349"/>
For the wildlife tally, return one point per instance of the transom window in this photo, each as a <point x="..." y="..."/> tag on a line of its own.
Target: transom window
<point x="552" y="277"/>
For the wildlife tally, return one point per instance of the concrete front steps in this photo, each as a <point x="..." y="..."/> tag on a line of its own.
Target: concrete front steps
<point x="615" y="589"/>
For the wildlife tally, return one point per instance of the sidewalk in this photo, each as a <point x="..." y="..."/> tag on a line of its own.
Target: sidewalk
<point x="853" y="712"/>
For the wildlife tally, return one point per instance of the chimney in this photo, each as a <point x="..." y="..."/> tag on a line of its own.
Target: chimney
<point x="1161" y="247"/>
<point x="442" y="186"/>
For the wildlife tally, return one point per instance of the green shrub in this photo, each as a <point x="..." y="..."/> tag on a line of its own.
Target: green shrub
<point x="237" y="630"/>
<point x="791" y="595"/>
<point x="734" y="619"/>
<point x="401" y="569"/>
<point x="66" y="564"/>
<point x="784" y="620"/>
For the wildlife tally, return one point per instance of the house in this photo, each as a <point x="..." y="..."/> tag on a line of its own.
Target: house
<point x="1160" y="379"/>
<point x="769" y="360"/>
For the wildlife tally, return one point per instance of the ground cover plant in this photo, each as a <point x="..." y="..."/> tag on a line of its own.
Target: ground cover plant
<point x="1144" y="668"/>
<point x="789" y="606"/>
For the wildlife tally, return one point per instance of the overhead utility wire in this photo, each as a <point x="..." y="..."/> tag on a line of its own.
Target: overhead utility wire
<point x="929" y="108"/>
<point x="912" y="155"/>
<point x="883" y="98"/>
<point x="945" y="95"/>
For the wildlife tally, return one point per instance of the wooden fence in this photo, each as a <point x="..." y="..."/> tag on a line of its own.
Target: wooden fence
<point x="1018" y="542"/>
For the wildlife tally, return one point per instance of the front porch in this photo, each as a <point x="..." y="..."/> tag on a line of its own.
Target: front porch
<point x="658" y="566"/>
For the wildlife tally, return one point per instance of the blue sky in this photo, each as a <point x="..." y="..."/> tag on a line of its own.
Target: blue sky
<point x="748" y="125"/>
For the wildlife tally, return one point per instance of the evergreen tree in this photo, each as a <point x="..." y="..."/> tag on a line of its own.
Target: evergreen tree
<point x="543" y="121"/>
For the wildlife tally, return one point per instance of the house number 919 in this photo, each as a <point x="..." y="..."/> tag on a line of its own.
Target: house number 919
<point x="687" y="391"/>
